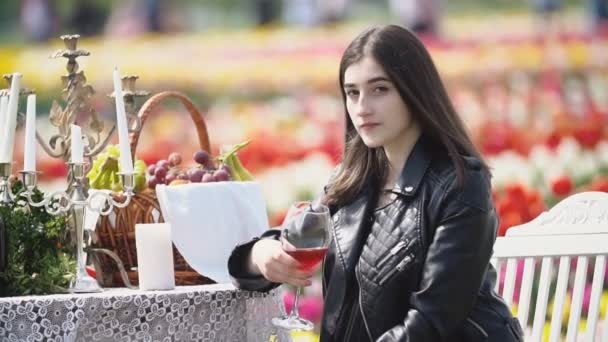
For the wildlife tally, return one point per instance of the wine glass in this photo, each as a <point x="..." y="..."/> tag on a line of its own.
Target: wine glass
<point x="304" y="236"/>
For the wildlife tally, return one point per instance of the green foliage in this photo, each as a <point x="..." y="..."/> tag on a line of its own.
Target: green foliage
<point x="38" y="263"/>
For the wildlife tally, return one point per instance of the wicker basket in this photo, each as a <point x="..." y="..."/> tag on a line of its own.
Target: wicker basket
<point x="116" y="231"/>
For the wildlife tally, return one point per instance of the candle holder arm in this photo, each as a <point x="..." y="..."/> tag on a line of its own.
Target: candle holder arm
<point x="107" y="203"/>
<point x="52" y="204"/>
<point x="52" y="151"/>
<point x="99" y="147"/>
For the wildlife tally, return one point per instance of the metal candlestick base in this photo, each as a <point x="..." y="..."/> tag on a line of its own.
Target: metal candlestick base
<point x="84" y="283"/>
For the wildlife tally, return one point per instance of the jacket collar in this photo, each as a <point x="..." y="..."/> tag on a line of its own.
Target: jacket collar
<point x="415" y="167"/>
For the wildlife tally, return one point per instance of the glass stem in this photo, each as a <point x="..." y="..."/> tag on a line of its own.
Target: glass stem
<point x="294" y="311"/>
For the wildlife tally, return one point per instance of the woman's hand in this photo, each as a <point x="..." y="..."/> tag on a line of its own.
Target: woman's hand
<point x="269" y="259"/>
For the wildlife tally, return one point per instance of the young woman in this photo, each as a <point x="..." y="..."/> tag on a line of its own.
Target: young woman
<point x="413" y="218"/>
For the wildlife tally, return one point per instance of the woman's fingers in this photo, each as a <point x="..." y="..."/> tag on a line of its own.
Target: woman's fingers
<point x="282" y="275"/>
<point x="278" y="266"/>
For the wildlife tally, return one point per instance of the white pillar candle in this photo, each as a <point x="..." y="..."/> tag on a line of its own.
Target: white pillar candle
<point x="6" y="152"/>
<point x="76" y="144"/>
<point x="154" y="256"/>
<point x="126" y="162"/>
<point x="29" y="154"/>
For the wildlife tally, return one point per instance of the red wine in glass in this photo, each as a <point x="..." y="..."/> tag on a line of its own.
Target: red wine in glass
<point x="304" y="236"/>
<point x="308" y="257"/>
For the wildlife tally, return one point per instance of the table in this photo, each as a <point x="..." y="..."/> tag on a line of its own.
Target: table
<point x="211" y="313"/>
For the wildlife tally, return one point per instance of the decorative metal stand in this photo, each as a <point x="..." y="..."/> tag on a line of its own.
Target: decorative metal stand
<point x="75" y="200"/>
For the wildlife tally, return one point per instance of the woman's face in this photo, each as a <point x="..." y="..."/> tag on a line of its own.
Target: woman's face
<point x="374" y="105"/>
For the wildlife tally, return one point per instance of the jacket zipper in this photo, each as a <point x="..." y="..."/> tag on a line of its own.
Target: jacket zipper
<point x="369" y="334"/>
<point x="351" y="322"/>
<point x="398" y="247"/>
<point x="399" y="268"/>
<point x="483" y="332"/>
<point x="323" y="276"/>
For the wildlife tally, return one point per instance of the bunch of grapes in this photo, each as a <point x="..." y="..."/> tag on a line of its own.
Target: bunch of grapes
<point x="170" y="171"/>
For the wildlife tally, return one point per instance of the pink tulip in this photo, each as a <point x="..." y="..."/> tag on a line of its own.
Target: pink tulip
<point x="518" y="279"/>
<point x="586" y="297"/>
<point x="310" y="308"/>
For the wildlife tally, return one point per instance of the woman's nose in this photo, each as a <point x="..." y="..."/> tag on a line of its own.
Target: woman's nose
<point x="363" y="107"/>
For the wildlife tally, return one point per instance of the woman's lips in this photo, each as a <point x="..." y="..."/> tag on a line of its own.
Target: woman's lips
<point x="369" y="125"/>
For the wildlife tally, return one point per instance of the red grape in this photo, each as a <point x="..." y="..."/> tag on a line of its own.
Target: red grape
<point x="221" y="175"/>
<point x="196" y="175"/>
<point x="207" y="178"/>
<point x="160" y="172"/>
<point x="170" y="178"/>
<point x="163" y="163"/>
<point x="175" y="159"/>
<point x="152" y="183"/>
<point x="151" y="169"/>
<point x="201" y="157"/>
<point x="183" y="176"/>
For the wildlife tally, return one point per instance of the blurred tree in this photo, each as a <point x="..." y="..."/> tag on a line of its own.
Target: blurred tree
<point x="266" y="11"/>
<point x="88" y="17"/>
<point x="598" y="14"/>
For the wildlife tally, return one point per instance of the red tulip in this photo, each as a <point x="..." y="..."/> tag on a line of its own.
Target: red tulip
<point x="509" y="220"/>
<point x="553" y="140"/>
<point x="588" y="136"/>
<point x="562" y="186"/>
<point x="599" y="184"/>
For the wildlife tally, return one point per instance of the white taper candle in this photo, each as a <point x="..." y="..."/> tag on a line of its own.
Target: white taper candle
<point x="29" y="154"/>
<point x="3" y="117"/>
<point x="8" y="138"/>
<point x="76" y="144"/>
<point x="126" y="162"/>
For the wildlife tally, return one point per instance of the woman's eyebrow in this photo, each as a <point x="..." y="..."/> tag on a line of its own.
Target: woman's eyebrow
<point x="370" y="81"/>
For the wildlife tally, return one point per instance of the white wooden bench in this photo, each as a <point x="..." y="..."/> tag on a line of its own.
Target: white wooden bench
<point x="576" y="228"/>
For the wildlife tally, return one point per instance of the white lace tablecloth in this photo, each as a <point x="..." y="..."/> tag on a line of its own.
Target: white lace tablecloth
<point x="189" y="313"/>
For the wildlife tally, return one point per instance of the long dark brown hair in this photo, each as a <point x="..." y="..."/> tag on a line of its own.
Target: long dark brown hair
<point x="408" y="64"/>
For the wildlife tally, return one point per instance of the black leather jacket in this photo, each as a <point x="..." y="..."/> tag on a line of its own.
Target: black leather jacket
<point x="424" y="275"/>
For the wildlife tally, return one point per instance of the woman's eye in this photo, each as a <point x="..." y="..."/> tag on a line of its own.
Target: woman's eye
<point x="352" y="93"/>
<point x="380" y="89"/>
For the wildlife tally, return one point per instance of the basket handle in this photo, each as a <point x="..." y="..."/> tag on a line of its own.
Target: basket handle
<point x="197" y="118"/>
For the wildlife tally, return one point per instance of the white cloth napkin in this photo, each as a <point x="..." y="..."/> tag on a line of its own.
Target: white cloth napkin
<point x="209" y="219"/>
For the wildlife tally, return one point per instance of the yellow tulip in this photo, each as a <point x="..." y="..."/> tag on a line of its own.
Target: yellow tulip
<point x="566" y="309"/>
<point x="304" y="336"/>
<point x="603" y="305"/>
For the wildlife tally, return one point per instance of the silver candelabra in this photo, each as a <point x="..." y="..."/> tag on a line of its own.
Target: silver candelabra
<point x="76" y="202"/>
